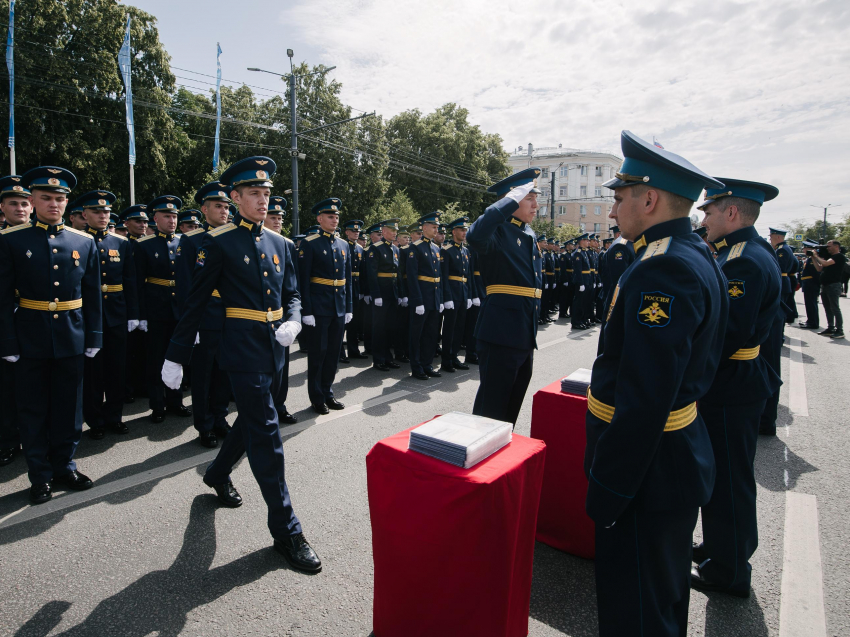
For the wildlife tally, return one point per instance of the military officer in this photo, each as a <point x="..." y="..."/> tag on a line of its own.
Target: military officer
<point x="510" y="266"/>
<point x="135" y="219"/>
<point x="324" y="270"/>
<point x="75" y="216"/>
<point x="58" y="319"/>
<point x="209" y="384"/>
<point x="188" y="220"/>
<point x="252" y="270"/>
<point x="382" y="268"/>
<point x="274" y="217"/>
<point x="617" y="259"/>
<point x="105" y="373"/>
<point x="566" y="286"/>
<point x="156" y="256"/>
<point x="733" y="406"/>
<point x="810" y="280"/>
<point x="789" y="266"/>
<point x="402" y="341"/>
<point x="425" y="295"/>
<point x="648" y="458"/>
<point x="375" y="237"/>
<point x="458" y="275"/>
<point x="354" y="327"/>
<point x="14" y="202"/>
<point x="582" y="308"/>
<point x="469" y="340"/>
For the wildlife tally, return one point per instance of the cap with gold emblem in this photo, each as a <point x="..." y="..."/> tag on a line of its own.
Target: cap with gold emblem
<point x="353" y="224"/>
<point x="12" y="186"/>
<point x="189" y="216"/>
<point x="139" y="211"/>
<point x="254" y="171"/>
<point x="166" y="203"/>
<point x="213" y="191"/>
<point x="277" y="205"/>
<point x="517" y="179"/>
<point x="332" y="205"/>
<point x="50" y="178"/>
<point x="95" y="199"/>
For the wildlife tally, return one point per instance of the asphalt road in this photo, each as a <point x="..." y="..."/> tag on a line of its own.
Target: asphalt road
<point x="148" y="551"/>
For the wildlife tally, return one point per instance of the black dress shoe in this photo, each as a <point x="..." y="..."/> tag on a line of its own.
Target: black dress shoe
<point x="380" y="367"/>
<point x="208" y="439"/>
<point x="458" y="365"/>
<point x="699" y="555"/>
<point x="827" y="331"/>
<point x="419" y="375"/>
<point x="158" y="417"/>
<point x="97" y="433"/>
<point x="580" y="326"/>
<point x="7" y="455"/>
<point x="439" y="350"/>
<point x="357" y="355"/>
<point x="74" y="480"/>
<point x="447" y="367"/>
<point x="344" y="359"/>
<point x="227" y="493"/>
<point x="181" y="411"/>
<point x="402" y="359"/>
<point x="221" y="431"/>
<point x="286" y="418"/>
<point x="118" y="428"/>
<point x="320" y="409"/>
<point x="472" y="359"/>
<point x="40" y="493"/>
<point x="765" y="431"/>
<point x="432" y="373"/>
<point x="129" y="400"/>
<point x="333" y="403"/>
<point x="393" y="365"/>
<point x="701" y="583"/>
<point x="298" y="553"/>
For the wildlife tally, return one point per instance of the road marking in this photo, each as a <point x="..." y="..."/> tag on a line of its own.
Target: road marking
<point x="801" y="610"/>
<point x="798" y="403"/>
<point x="73" y="499"/>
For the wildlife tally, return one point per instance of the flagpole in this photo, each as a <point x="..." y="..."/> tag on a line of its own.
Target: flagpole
<point x="125" y="57"/>
<point x="10" y="66"/>
<point x="132" y="186"/>
<point x="217" y="106"/>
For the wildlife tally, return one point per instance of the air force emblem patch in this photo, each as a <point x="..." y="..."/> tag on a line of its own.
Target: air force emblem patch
<point x="736" y="289"/>
<point x="655" y="309"/>
<point x="201" y="259"/>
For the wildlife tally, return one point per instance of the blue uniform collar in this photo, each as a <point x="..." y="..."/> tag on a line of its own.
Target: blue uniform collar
<point x="168" y="236"/>
<point x="98" y="234"/>
<point x="741" y="234"/>
<point x="672" y="228"/>
<point x="253" y="228"/>
<point x="59" y="227"/>
<point x="328" y="235"/>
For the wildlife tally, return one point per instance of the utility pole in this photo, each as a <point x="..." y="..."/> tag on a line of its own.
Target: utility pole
<point x="552" y="198"/>
<point x="825" y="208"/>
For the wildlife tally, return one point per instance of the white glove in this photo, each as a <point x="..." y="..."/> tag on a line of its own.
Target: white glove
<point x="468" y="303"/>
<point x="172" y="374"/>
<point x="581" y="288"/>
<point x="404" y="302"/>
<point x="545" y="286"/>
<point x="348" y="317"/>
<point x="594" y="286"/>
<point x="132" y="324"/>
<point x="442" y="307"/>
<point x="143" y="325"/>
<point x="309" y="321"/>
<point x="519" y="193"/>
<point x="287" y="332"/>
<point x="401" y="302"/>
<point x="11" y="359"/>
<point x="449" y="305"/>
<point x="379" y="302"/>
<point x="197" y="338"/>
<point x="476" y="301"/>
<point x="359" y="297"/>
<point x="367" y="299"/>
<point x="91" y="352"/>
<point x="566" y="284"/>
<point x="420" y="310"/>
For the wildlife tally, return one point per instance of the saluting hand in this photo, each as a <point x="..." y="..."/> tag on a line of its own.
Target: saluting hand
<point x="519" y="193"/>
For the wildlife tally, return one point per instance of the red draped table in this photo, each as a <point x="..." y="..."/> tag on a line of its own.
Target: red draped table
<point x="453" y="548"/>
<point x="558" y="420"/>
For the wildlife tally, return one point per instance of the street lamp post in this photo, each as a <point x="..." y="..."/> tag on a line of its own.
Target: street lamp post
<point x="552" y="198"/>
<point x="825" y="208"/>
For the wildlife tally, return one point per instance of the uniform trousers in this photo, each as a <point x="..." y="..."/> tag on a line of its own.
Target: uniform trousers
<point x="354" y="327"/>
<point x="771" y="351"/>
<point x="136" y="379"/>
<point x="367" y="326"/>
<point x="829" y="296"/>
<point x="505" y="374"/>
<point x="454" y="323"/>
<point x="599" y="302"/>
<point x="323" y="358"/>
<point x="50" y="424"/>
<point x="283" y="386"/>
<point x="9" y="436"/>
<point x="578" y="312"/>
<point x="159" y="335"/>
<point x="469" y="339"/>
<point x="210" y="385"/>
<point x="384" y="324"/>
<point x="402" y="331"/>
<point x="256" y="433"/>
<point x="811" y="292"/>
<point x="104" y="375"/>
<point x="729" y="521"/>
<point x="566" y="295"/>
<point x="791" y="302"/>
<point x="424" y="329"/>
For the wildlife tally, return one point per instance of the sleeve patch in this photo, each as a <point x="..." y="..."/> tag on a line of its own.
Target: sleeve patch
<point x="655" y="309"/>
<point x="201" y="258"/>
<point x="736" y="289"/>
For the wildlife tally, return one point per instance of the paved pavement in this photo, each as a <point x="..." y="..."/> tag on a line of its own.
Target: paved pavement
<point x="147" y="551"/>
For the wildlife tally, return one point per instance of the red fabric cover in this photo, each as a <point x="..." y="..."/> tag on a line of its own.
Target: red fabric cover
<point x="558" y="420"/>
<point x="453" y="548"/>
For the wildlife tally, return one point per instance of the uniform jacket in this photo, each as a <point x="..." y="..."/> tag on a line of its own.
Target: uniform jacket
<point x="618" y="258"/>
<point x="355" y="257"/>
<point x="324" y="258"/>
<point x="478" y="283"/>
<point x="423" y="262"/>
<point x="582" y="268"/>
<point x="382" y="268"/>
<point x="155" y="256"/>
<point x="187" y="254"/>
<point x="458" y="273"/>
<point x="788" y="265"/>
<point x="117" y="268"/>
<point x="810" y="277"/>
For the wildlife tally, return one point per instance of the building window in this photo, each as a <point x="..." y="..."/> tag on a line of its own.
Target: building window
<point x="597" y="227"/>
<point x="545" y="192"/>
<point x="581" y="226"/>
<point x="562" y="210"/>
<point x="597" y="192"/>
<point x="562" y="191"/>
<point x="597" y="210"/>
<point x="582" y="210"/>
<point x="599" y="171"/>
<point x="565" y="171"/>
<point x="583" y="191"/>
<point x="584" y="171"/>
<point x="545" y="174"/>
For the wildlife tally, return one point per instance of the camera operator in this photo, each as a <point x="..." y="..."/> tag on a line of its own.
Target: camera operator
<point x="831" y="270"/>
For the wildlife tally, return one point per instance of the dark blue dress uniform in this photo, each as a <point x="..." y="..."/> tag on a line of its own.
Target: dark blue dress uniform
<point x="648" y="459"/>
<point x="510" y="266"/>
<point x="566" y="282"/>
<point x="733" y="406"/>
<point x="788" y="266"/>
<point x="253" y="272"/>
<point x="136" y="376"/>
<point x="354" y="327"/>
<point x="460" y="287"/>
<point x="617" y="260"/>
<point x="56" y="272"/>
<point x="402" y="334"/>
<point x="105" y="373"/>
<point x="325" y="284"/>
<point x="582" y="312"/>
<point x="469" y="340"/>
<point x="810" y="281"/>
<point x="156" y="256"/>
<point x="382" y="269"/>
<point x="424" y="276"/>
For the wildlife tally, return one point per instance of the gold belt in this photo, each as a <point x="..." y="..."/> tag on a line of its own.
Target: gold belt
<point x="254" y="315"/>
<point x="355" y="274"/>
<point x="550" y="274"/>
<point x="337" y="283"/>
<point x="784" y="274"/>
<point x="112" y="288"/>
<point x="429" y="279"/>
<point x="477" y="273"/>
<point x="678" y="419"/>
<point x="51" y="306"/>
<point x="746" y="354"/>
<point x="387" y="275"/>
<point x="806" y="278"/>
<point x="515" y="290"/>
<point x="587" y="271"/>
<point x="164" y="282"/>
<point x="462" y="279"/>
<point x="216" y="294"/>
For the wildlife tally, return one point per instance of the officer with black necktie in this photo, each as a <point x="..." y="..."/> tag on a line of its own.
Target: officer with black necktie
<point x="460" y="287"/>
<point x="382" y="268"/>
<point x="354" y="327"/>
<point x="423" y="274"/>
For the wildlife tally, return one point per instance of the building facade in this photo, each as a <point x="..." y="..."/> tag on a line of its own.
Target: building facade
<point x="579" y="198"/>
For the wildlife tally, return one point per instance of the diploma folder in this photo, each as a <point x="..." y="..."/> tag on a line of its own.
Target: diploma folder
<point x="577" y="382"/>
<point x="460" y="439"/>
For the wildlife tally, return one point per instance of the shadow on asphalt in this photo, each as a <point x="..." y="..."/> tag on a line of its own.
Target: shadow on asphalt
<point x="563" y="592"/>
<point x="727" y="616"/>
<point x="777" y="467"/>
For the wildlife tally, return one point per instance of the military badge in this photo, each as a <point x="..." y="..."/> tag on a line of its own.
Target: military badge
<point x="613" y="302"/>
<point x="261" y="174"/>
<point x="247" y="260"/>
<point x="29" y="254"/>
<point x="53" y="181"/>
<point x="736" y="289"/>
<point x="519" y="242"/>
<point x="55" y="171"/>
<point x="201" y="258"/>
<point x="655" y="309"/>
<point x="275" y="259"/>
<point x="618" y="256"/>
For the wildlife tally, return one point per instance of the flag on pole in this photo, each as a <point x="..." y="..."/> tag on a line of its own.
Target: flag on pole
<point x="124" y="64"/>
<point x="656" y="143"/>
<point x="217" y="105"/>
<point x="10" y="66"/>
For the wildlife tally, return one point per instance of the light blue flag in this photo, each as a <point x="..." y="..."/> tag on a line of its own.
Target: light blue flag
<point x="10" y="65"/>
<point x="124" y="64"/>
<point x="217" y="105"/>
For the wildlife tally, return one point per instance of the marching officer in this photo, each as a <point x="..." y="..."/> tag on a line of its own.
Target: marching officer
<point x="582" y="309"/>
<point x="105" y="373"/>
<point x="354" y="327"/>
<point x="135" y="219"/>
<point x="733" y="406"/>
<point x="156" y="255"/>
<point x="209" y="384"/>
<point x="425" y="295"/>
<point x="648" y="459"/>
<point x="510" y="266"/>
<point x="810" y="280"/>
<point x="459" y="283"/>
<point x="382" y="267"/>
<point x="58" y="320"/>
<point x="252" y="270"/>
<point x="324" y="270"/>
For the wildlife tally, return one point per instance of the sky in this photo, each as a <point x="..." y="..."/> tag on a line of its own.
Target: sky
<point x="754" y="90"/>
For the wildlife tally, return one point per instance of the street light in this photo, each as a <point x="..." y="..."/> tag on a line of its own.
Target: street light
<point x="825" y="208"/>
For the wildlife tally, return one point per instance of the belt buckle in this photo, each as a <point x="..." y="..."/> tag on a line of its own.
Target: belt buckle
<point x="171" y="284"/>
<point x="52" y="306"/>
<point x="270" y="316"/>
<point x="104" y="287"/>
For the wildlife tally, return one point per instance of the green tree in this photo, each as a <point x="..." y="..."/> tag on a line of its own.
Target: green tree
<point x="545" y="226"/>
<point x="398" y="206"/>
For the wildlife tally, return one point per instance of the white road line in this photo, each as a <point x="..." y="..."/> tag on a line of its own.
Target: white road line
<point x="798" y="403"/>
<point x="12" y="514"/>
<point x="801" y="610"/>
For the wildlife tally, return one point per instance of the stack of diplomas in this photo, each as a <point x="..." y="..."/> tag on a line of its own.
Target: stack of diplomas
<point x="460" y="439"/>
<point x="577" y="382"/>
